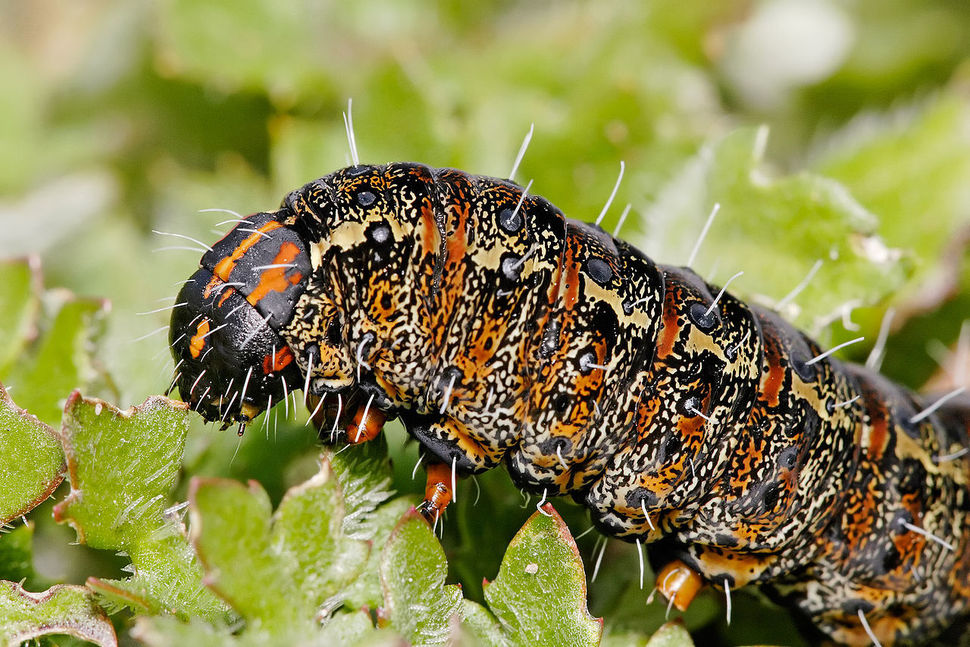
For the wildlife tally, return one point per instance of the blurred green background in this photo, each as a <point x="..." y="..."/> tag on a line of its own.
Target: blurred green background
<point x="122" y="117"/>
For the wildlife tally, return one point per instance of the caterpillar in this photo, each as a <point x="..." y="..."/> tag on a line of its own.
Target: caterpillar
<point x="500" y="331"/>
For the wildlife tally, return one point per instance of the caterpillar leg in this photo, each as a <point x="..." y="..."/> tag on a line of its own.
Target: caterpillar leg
<point x="367" y="423"/>
<point x="438" y="491"/>
<point x="679" y="583"/>
<point x="364" y="424"/>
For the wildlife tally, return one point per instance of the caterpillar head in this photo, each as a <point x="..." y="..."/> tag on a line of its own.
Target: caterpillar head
<point x="231" y="362"/>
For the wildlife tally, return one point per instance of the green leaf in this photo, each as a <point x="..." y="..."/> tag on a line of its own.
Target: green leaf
<point x="364" y="472"/>
<point x="310" y="530"/>
<point x="16" y="555"/>
<point x="672" y="634"/>
<point x="774" y="230"/>
<point x="121" y="466"/>
<point x="355" y="629"/>
<point x="417" y="602"/>
<point x="366" y="591"/>
<point x="256" y="561"/>
<point x="31" y="461"/>
<point x="63" y="361"/>
<point x="164" y="631"/>
<point x="194" y="38"/>
<point x="62" y="609"/>
<point x="20" y="287"/>
<point x="910" y="166"/>
<point x="539" y="595"/>
<point x="231" y="531"/>
<point x="343" y="629"/>
<point x="669" y="634"/>
<point x="481" y="625"/>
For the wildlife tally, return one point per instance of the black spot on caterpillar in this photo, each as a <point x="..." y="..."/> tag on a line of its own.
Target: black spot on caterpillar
<point x="500" y="331"/>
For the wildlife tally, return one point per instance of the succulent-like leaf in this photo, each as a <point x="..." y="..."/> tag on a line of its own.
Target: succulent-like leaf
<point x="417" y="602"/>
<point x="539" y="595"/>
<point x="121" y="466"/>
<point x="31" y="461"/>
<point x="282" y="573"/>
<point x="20" y="286"/>
<point x="774" y="230"/>
<point x="62" y="609"/>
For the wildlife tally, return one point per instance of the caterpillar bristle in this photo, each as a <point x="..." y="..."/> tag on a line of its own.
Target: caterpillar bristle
<point x="601" y="542"/>
<point x="205" y="248"/>
<point x="349" y="127"/>
<point x="609" y="200"/>
<point x="939" y="402"/>
<point x="640" y="560"/>
<point x="622" y="220"/>
<point x="700" y="239"/>
<point x="146" y="336"/>
<point x="521" y="154"/>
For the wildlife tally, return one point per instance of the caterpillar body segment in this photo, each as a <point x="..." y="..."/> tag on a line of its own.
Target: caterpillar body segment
<point x="500" y="331"/>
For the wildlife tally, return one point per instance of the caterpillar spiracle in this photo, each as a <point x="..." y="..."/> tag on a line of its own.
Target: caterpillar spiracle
<point x="500" y="331"/>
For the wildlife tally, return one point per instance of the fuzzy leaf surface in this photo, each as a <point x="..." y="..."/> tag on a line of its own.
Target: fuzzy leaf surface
<point x="539" y="595"/>
<point x="62" y="609"/>
<point x="31" y="461"/>
<point x="417" y="602"/>
<point x="774" y="229"/>
<point x="276" y="571"/>
<point x="19" y="307"/>
<point x="121" y="466"/>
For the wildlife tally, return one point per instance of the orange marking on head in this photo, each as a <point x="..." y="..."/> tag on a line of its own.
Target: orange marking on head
<point x="197" y="343"/>
<point x="223" y="297"/>
<point x="276" y="362"/>
<point x="275" y="279"/>
<point x="210" y="286"/>
<point x="224" y="267"/>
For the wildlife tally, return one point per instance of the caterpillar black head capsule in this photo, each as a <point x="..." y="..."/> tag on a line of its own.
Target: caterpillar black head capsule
<point x="232" y="361"/>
